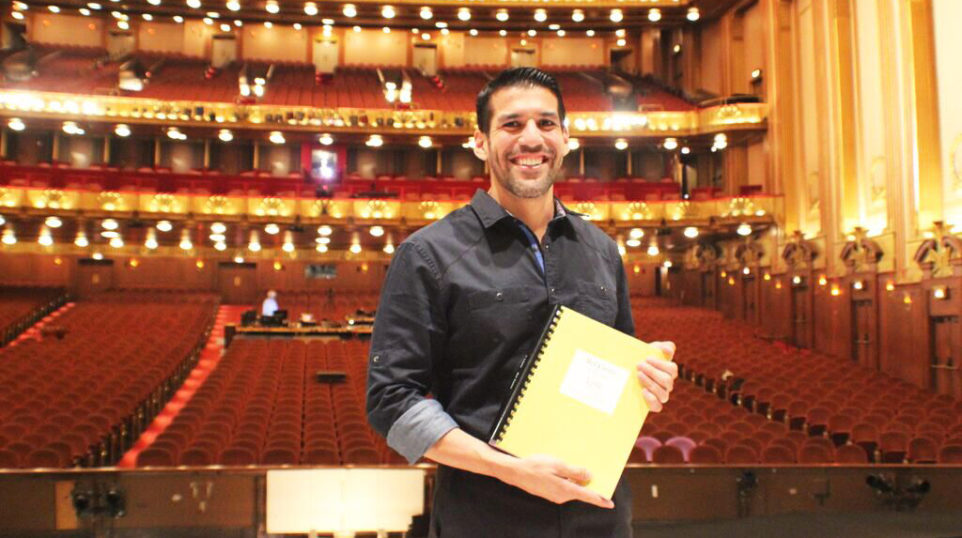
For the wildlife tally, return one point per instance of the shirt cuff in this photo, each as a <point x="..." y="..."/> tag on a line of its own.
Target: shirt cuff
<point x="419" y="428"/>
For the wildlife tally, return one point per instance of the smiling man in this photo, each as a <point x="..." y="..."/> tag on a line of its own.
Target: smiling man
<point x="464" y="303"/>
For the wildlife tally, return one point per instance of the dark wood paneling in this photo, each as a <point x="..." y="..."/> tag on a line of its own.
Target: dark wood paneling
<point x="943" y="299"/>
<point x="237" y="283"/>
<point x="775" y="304"/>
<point x="903" y="346"/>
<point x="93" y="279"/>
<point x="166" y="273"/>
<point x="801" y="309"/>
<point x="863" y="301"/>
<point x="36" y="269"/>
<point x="832" y="317"/>
<point x="726" y="296"/>
<point x="641" y="278"/>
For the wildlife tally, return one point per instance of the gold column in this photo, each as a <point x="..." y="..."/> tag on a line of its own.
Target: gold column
<point x="257" y="156"/>
<point x="206" y="153"/>
<point x="926" y="103"/>
<point x="156" y="152"/>
<point x="3" y="143"/>
<point x="628" y="167"/>
<point x="782" y="125"/>
<point x="106" y="153"/>
<point x="843" y="104"/>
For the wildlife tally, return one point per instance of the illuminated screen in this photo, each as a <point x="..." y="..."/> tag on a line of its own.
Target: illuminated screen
<point x="323" y="164"/>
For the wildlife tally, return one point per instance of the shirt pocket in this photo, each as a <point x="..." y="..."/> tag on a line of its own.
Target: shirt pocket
<point x="500" y="314"/>
<point x="597" y="301"/>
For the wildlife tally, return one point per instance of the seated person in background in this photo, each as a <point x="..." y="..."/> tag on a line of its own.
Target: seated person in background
<point x="269" y="306"/>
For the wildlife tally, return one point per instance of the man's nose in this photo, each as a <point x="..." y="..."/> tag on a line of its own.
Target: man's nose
<point x="530" y="135"/>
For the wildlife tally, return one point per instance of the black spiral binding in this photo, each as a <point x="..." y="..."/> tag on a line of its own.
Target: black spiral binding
<point x="524" y="373"/>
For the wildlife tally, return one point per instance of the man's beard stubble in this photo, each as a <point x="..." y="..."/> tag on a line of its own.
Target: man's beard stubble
<point x="529" y="189"/>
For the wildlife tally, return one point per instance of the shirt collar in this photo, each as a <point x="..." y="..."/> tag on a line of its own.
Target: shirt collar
<point x="490" y="211"/>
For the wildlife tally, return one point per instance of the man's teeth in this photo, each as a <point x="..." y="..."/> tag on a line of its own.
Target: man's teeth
<point x="529" y="162"/>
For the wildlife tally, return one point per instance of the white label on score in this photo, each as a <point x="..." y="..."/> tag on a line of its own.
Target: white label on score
<point x="594" y="382"/>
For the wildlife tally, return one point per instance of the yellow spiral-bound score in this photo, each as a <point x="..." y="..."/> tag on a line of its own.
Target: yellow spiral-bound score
<point x="578" y="399"/>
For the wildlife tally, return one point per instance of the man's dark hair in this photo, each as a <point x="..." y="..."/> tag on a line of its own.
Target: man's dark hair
<point x="516" y="76"/>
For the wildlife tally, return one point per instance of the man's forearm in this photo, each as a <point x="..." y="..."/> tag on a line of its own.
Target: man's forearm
<point x="543" y="476"/>
<point x="460" y="450"/>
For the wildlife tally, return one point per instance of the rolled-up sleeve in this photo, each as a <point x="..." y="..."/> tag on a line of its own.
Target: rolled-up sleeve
<point x="408" y="332"/>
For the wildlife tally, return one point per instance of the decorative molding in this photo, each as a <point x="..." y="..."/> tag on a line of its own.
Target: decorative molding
<point x="799" y="253"/>
<point x="706" y="255"/>
<point x="940" y="255"/>
<point x="861" y="253"/>
<point x="749" y="253"/>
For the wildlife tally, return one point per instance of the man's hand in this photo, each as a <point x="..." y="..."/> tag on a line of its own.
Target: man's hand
<point x="552" y="479"/>
<point x="657" y="376"/>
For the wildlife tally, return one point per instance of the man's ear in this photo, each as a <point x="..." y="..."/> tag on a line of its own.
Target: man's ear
<point x="564" y="138"/>
<point x="480" y="145"/>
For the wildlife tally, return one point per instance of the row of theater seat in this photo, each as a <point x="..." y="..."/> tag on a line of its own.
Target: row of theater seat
<point x="178" y="78"/>
<point x="81" y="397"/>
<point x="149" y="181"/>
<point x="803" y="397"/>
<point x="263" y="405"/>
<point x="21" y="307"/>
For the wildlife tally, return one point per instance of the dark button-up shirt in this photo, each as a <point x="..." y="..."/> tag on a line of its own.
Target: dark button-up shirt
<point x="462" y="305"/>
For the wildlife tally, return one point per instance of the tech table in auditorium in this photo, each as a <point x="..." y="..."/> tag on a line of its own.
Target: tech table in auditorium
<point x="360" y="329"/>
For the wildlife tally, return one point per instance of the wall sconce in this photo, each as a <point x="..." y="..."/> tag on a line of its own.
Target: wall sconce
<point x="890" y="286"/>
<point x="778" y="284"/>
<point x="767" y="276"/>
<point x="822" y="280"/>
<point x="724" y="274"/>
<point x="858" y="285"/>
<point x="731" y="281"/>
<point x="940" y="293"/>
<point x="835" y="291"/>
<point x="746" y="271"/>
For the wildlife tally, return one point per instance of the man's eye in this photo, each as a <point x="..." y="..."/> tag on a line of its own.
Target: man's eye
<point x="511" y="124"/>
<point x="548" y="123"/>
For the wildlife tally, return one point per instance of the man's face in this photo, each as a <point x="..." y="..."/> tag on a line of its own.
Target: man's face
<point x="526" y="141"/>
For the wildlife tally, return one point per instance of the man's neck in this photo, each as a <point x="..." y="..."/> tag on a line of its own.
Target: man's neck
<point x="536" y="213"/>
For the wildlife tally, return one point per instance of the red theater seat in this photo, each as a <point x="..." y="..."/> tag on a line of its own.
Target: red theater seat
<point x="850" y="454"/>
<point x="950" y="454"/>
<point x="667" y="454"/>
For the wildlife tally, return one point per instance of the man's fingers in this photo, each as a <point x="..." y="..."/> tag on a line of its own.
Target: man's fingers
<point x="576" y="474"/>
<point x="583" y="494"/>
<point x="667" y="347"/>
<point x="658" y="381"/>
<point x="670" y="368"/>
<point x="653" y="404"/>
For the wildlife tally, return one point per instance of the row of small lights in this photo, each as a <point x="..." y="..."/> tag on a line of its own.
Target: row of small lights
<point x="217" y="236"/>
<point x="615" y="15"/>
<point x="218" y="231"/>
<point x="350" y="11"/>
<point x="720" y="141"/>
<point x="635" y="236"/>
<point x="938" y="292"/>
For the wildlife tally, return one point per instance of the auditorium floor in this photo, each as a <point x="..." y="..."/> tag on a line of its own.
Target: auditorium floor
<point x="868" y="525"/>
